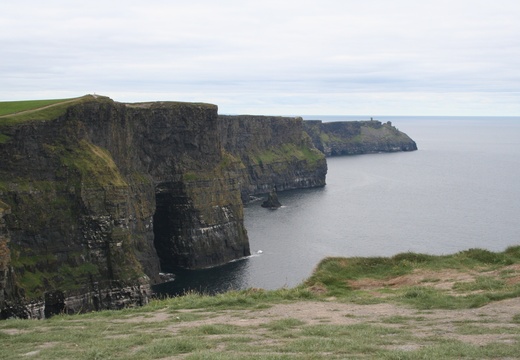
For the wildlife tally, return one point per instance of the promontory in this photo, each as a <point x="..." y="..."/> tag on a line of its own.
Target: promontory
<point x="96" y="195"/>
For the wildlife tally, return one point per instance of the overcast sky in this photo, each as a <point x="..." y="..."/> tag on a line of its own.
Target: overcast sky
<point x="358" y="57"/>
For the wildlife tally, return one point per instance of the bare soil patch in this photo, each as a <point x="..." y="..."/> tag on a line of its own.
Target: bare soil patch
<point x="439" y="279"/>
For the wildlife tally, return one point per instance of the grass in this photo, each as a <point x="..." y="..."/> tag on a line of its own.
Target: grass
<point x="229" y="325"/>
<point x="287" y="153"/>
<point x="340" y="277"/>
<point x="13" y="107"/>
<point x="15" y="112"/>
<point x="94" y="163"/>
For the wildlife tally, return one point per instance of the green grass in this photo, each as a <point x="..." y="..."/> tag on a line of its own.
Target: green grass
<point x="13" y="107"/>
<point x="94" y="163"/>
<point x="287" y="153"/>
<point x="244" y="299"/>
<point x="191" y="327"/>
<point x="335" y="276"/>
<point x="15" y="112"/>
<point x="425" y="298"/>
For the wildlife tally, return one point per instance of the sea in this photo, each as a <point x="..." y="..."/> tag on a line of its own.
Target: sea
<point x="459" y="190"/>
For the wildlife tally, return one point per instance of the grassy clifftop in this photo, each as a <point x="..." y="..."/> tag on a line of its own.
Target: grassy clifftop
<point x="14" y="112"/>
<point x="410" y="306"/>
<point x="14" y="107"/>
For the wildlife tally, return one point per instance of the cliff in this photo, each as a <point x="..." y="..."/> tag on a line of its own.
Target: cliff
<point x="357" y="137"/>
<point x="96" y="196"/>
<point x="97" y="190"/>
<point x="6" y="287"/>
<point x="276" y="153"/>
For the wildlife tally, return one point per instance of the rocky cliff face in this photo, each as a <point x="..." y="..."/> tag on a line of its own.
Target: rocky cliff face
<point x="6" y="286"/>
<point x="357" y="137"/>
<point x="94" y="191"/>
<point x="95" y="195"/>
<point x="276" y="153"/>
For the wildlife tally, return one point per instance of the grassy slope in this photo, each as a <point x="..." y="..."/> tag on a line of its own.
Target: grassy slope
<point x="13" y="107"/>
<point x="183" y="326"/>
<point x="15" y="112"/>
<point x="354" y="279"/>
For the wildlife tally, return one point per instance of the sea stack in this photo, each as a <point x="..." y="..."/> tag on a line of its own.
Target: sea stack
<point x="272" y="201"/>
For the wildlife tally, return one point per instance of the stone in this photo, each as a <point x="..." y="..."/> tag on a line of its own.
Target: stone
<point x="272" y="201"/>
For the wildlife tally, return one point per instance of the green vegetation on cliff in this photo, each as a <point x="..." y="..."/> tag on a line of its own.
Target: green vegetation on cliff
<point x="287" y="153"/>
<point x="37" y="275"/>
<point x="94" y="164"/>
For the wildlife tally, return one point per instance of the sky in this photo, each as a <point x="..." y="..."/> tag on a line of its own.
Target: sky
<point x="328" y="57"/>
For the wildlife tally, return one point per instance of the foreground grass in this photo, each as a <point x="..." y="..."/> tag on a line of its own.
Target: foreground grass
<point x="257" y="324"/>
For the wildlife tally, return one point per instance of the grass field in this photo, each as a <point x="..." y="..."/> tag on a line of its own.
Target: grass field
<point x="13" y="107"/>
<point x="18" y="112"/>
<point x="409" y="306"/>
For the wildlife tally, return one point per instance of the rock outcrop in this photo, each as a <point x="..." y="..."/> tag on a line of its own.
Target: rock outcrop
<point x="272" y="201"/>
<point x="357" y="137"/>
<point x="95" y="195"/>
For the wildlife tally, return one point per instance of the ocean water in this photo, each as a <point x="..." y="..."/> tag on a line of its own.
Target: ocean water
<point x="460" y="190"/>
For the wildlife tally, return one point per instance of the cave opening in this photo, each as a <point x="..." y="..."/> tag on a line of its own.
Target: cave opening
<point x="164" y="225"/>
<point x="168" y="220"/>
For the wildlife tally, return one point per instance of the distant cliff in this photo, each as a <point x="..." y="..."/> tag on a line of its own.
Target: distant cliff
<point x="95" y="195"/>
<point x="276" y="153"/>
<point x="357" y="137"/>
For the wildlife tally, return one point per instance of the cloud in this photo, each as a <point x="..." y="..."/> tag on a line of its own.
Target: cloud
<point x="304" y="56"/>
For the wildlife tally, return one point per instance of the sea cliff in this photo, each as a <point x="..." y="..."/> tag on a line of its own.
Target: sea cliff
<point x="276" y="153"/>
<point x="96" y="196"/>
<point x="357" y="137"/>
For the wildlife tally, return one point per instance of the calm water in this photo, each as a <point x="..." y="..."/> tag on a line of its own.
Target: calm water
<point x="460" y="190"/>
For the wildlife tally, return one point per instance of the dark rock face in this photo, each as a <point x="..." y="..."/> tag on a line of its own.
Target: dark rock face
<point x="275" y="152"/>
<point x="357" y="137"/>
<point x="6" y="278"/>
<point x="83" y="192"/>
<point x="95" y="199"/>
<point x="198" y="220"/>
